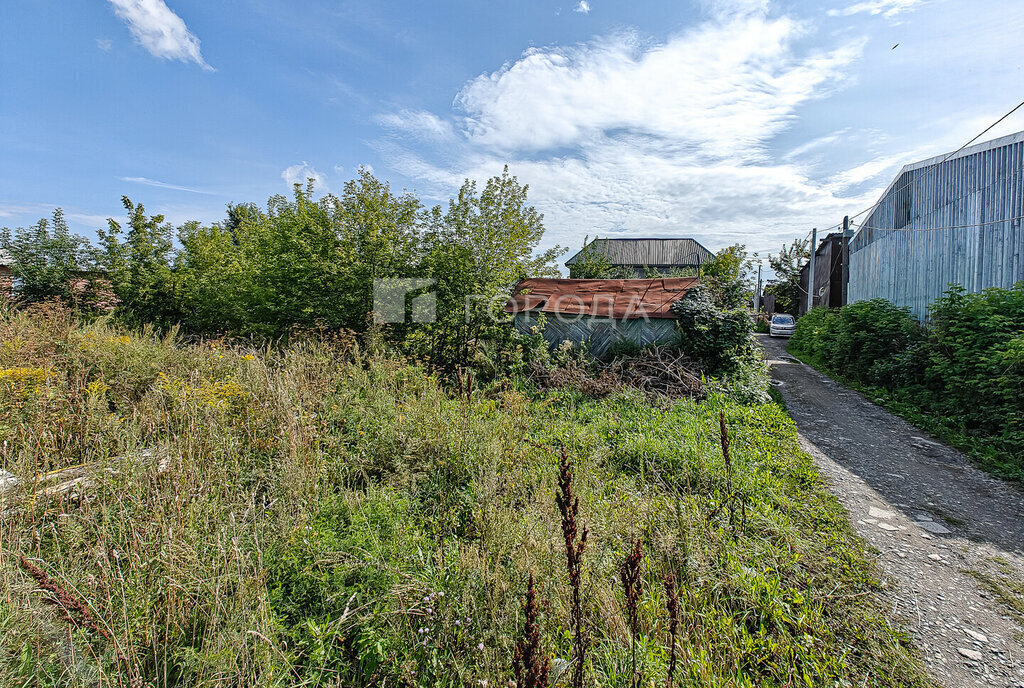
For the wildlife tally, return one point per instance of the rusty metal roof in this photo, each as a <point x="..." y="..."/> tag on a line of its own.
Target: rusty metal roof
<point x="624" y="299"/>
<point x="648" y="252"/>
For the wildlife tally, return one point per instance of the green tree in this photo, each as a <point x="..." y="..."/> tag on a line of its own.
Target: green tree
<point x="728" y="275"/>
<point x="46" y="257"/>
<point x="137" y="261"/>
<point x="592" y="263"/>
<point x="787" y="264"/>
<point x="485" y="243"/>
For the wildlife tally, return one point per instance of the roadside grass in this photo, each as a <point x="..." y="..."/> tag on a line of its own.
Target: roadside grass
<point x="981" y="451"/>
<point x="317" y="515"/>
<point x="1005" y="587"/>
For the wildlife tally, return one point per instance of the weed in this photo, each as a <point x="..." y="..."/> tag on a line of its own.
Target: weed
<point x="569" y="507"/>
<point x="632" y="588"/>
<point x="529" y="663"/>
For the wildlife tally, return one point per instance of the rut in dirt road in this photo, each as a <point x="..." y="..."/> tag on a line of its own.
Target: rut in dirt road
<point x="941" y="526"/>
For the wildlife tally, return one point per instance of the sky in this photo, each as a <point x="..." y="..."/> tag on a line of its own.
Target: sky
<point x="728" y="121"/>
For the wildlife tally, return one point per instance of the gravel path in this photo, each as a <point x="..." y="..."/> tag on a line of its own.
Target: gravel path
<point x="930" y="515"/>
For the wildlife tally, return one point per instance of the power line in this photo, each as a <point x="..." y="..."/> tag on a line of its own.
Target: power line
<point x="934" y="168"/>
<point x="930" y="229"/>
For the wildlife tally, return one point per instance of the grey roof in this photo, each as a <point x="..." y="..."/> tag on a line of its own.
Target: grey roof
<point x="649" y="252"/>
<point x="5" y="258"/>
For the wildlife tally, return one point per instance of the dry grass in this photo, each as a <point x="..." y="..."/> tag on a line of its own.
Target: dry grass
<point x="308" y="515"/>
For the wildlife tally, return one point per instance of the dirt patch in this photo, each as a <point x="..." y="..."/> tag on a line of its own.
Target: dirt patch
<point x="941" y="527"/>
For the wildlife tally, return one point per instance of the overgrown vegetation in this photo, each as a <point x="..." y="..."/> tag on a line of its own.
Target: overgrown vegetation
<point x="326" y="513"/>
<point x="302" y="262"/>
<point x="960" y="376"/>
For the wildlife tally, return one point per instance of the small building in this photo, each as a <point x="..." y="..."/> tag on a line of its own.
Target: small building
<point x="828" y="274"/>
<point x="6" y="274"/>
<point x="644" y="257"/>
<point x="598" y="312"/>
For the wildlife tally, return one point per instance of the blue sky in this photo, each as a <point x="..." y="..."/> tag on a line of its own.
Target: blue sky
<point x="725" y="120"/>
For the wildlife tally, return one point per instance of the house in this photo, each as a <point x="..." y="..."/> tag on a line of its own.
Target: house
<point x="598" y="312"/>
<point x="6" y="274"/>
<point x="828" y="274"/>
<point x="642" y="257"/>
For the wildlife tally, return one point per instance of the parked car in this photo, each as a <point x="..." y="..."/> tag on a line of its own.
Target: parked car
<point x="782" y="325"/>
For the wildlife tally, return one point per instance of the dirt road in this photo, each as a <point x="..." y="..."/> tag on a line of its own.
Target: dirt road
<point x="941" y="527"/>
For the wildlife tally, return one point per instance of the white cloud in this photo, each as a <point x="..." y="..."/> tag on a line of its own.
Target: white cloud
<point x="886" y="8"/>
<point x="104" y="44"/>
<point x="163" y="185"/>
<point x="298" y="174"/>
<point x="159" y="30"/>
<point x="583" y="7"/>
<point x="418" y="123"/>
<point x="625" y="135"/>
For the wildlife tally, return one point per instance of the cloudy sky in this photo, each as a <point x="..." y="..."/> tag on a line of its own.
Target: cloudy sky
<point x="726" y="120"/>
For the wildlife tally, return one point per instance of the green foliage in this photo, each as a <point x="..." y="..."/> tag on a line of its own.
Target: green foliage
<point x="46" y="257"/>
<point x="728" y="275"/>
<point x="974" y="369"/>
<point x="306" y="515"/>
<point x="962" y="375"/>
<point x="720" y="340"/>
<point x="857" y="338"/>
<point x="139" y="266"/>
<point x="477" y="251"/>
<point x="303" y="264"/>
<point x="787" y="264"/>
<point x="594" y="264"/>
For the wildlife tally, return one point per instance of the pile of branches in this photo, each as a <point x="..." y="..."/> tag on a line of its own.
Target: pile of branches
<point x="660" y="372"/>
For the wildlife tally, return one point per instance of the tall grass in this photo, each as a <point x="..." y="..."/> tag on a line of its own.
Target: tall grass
<point x="313" y="515"/>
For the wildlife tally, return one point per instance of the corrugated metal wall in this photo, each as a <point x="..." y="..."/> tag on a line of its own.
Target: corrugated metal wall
<point x="941" y="222"/>
<point x="600" y="334"/>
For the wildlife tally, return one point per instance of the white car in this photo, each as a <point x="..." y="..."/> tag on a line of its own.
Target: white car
<point x="782" y="325"/>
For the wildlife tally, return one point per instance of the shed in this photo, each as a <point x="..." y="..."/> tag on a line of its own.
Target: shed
<point x="599" y="312"/>
<point x="640" y="256"/>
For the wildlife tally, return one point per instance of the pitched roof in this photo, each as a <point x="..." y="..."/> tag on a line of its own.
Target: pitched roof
<point x="624" y="299"/>
<point x="639" y="252"/>
<point x="5" y="258"/>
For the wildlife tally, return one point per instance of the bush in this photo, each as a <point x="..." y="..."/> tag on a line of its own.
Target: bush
<point x="975" y="364"/>
<point x="720" y="340"/>
<point x="962" y="375"/>
<point x="853" y="339"/>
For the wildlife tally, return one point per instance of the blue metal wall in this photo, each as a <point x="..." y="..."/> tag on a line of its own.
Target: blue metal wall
<point x="943" y="221"/>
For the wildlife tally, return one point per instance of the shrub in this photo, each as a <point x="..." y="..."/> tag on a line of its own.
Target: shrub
<point x="719" y="339"/>
<point x="853" y="339"/>
<point x="962" y="374"/>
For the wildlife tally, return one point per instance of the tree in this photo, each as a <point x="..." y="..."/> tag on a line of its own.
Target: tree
<point x="477" y="250"/>
<point x="47" y="258"/>
<point x="592" y="263"/>
<point x="139" y="266"/>
<point x="728" y="275"/>
<point x="786" y="286"/>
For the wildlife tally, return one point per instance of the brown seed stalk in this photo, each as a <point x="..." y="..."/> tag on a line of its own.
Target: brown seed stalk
<point x="632" y="586"/>
<point x="75" y="609"/>
<point x="529" y="664"/>
<point x="569" y="506"/>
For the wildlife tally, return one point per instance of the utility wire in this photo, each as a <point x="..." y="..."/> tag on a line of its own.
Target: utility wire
<point x="929" y="229"/>
<point x="934" y="167"/>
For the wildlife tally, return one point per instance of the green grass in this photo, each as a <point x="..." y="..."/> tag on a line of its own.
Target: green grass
<point x="979" y="450"/>
<point x="311" y="515"/>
